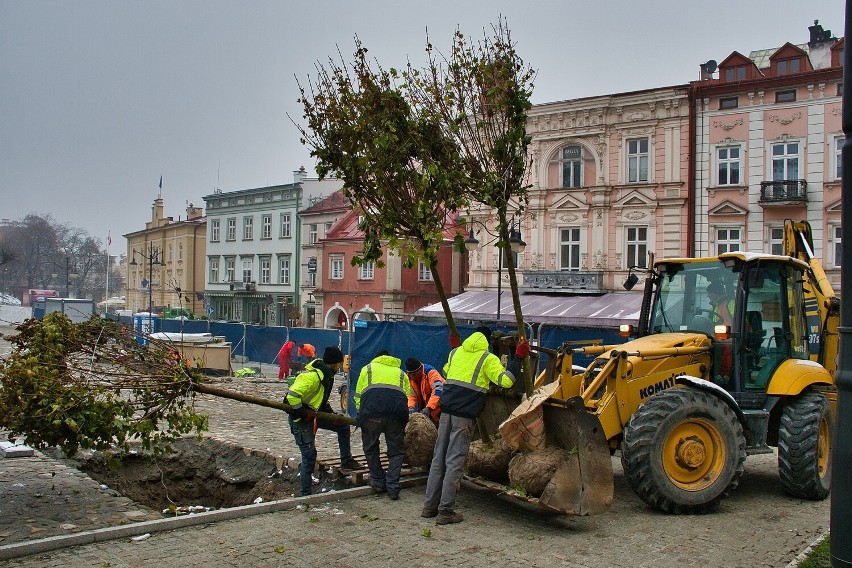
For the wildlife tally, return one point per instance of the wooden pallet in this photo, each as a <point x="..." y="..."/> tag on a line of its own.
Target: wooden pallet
<point x="361" y="476"/>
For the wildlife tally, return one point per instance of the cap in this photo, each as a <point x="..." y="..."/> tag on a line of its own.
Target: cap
<point x="412" y="365"/>
<point x="484" y="330"/>
<point x="332" y="355"/>
<point x="715" y="288"/>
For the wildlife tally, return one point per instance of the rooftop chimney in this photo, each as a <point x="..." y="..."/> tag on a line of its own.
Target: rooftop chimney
<point x="300" y="175"/>
<point x="819" y="35"/>
<point x="193" y="212"/>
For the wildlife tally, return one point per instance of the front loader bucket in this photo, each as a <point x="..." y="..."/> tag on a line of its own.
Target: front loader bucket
<point x="583" y="483"/>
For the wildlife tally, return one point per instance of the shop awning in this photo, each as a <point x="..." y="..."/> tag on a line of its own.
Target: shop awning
<point x="608" y="310"/>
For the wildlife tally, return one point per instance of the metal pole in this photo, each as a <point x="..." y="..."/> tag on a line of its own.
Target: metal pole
<point x="67" y="278"/>
<point x="841" y="490"/>
<point x="499" y="278"/>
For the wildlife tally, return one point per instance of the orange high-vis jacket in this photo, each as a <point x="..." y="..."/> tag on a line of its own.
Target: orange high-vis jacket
<point x="426" y="391"/>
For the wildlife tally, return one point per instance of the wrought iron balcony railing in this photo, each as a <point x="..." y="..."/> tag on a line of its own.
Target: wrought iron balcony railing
<point x="783" y="192"/>
<point x="564" y="281"/>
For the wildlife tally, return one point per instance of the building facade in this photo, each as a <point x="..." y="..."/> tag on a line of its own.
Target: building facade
<point x="345" y="292"/>
<point x="609" y="183"/>
<point x="767" y="144"/>
<point x="317" y="221"/>
<point x="253" y="251"/>
<point x="165" y="262"/>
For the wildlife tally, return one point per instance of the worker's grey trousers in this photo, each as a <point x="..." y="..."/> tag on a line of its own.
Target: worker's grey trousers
<point x="451" y="449"/>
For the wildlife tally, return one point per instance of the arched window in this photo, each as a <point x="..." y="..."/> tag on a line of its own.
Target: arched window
<point x="571" y="160"/>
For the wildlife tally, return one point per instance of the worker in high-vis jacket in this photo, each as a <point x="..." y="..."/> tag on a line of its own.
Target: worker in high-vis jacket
<point x="308" y="395"/>
<point x="381" y="397"/>
<point x="470" y="370"/>
<point x="427" y="384"/>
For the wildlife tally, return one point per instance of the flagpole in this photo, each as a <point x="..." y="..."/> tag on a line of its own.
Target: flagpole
<point x="106" y="292"/>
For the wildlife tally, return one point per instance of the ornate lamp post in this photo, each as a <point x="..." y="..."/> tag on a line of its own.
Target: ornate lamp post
<point x="152" y="256"/>
<point x="516" y="244"/>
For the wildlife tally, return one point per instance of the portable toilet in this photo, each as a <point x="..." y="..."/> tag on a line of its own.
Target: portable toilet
<point x="144" y="324"/>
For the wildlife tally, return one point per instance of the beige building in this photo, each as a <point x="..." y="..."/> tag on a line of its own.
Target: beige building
<point x="609" y="184"/>
<point x="166" y="257"/>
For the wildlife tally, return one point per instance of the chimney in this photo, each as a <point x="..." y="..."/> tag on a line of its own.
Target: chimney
<point x="193" y="212"/>
<point x="819" y="35"/>
<point x="156" y="214"/>
<point x="300" y="175"/>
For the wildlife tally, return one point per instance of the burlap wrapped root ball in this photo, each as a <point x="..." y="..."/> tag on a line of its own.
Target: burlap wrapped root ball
<point x="420" y="436"/>
<point x="489" y="459"/>
<point x="532" y="471"/>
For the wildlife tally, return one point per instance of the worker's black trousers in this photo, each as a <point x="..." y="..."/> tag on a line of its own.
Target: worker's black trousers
<point x="394" y="430"/>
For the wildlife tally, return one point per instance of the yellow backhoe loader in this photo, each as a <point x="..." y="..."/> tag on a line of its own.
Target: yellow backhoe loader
<point x="733" y="355"/>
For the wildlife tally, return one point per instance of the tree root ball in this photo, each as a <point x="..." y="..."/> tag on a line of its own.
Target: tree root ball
<point x="489" y="460"/>
<point x="532" y="471"/>
<point x="420" y="436"/>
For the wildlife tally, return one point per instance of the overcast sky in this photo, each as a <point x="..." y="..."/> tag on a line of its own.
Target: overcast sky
<point x="98" y="99"/>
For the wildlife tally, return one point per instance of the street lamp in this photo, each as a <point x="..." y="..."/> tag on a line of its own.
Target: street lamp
<point x="516" y="243"/>
<point x="69" y="274"/>
<point x="152" y="257"/>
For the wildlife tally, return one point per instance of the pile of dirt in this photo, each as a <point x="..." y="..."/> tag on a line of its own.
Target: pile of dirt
<point x="420" y="436"/>
<point x="489" y="459"/>
<point x="532" y="471"/>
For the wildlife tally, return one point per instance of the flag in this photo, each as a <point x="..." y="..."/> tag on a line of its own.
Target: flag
<point x="199" y="295"/>
<point x="161" y="182"/>
<point x="109" y="239"/>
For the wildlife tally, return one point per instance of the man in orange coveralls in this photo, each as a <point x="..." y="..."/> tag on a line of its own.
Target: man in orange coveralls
<point x="427" y="384"/>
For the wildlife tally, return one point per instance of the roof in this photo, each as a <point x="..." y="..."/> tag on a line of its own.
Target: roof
<point x="608" y="310"/>
<point x="761" y="56"/>
<point x="334" y="202"/>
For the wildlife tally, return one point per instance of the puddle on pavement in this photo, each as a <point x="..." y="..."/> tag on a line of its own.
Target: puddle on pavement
<point x="197" y="474"/>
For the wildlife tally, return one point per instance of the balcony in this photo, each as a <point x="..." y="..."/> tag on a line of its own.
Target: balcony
<point x="784" y="192"/>
<point x="571" y="282"/>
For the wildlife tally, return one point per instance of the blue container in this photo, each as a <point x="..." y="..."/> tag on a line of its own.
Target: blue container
<point x="144" y="324"/>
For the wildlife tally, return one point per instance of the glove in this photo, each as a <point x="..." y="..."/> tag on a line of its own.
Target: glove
<point x="412" y="410"/>
<point x="327" y="408"/>
<point x="523" y="349"/>
<point x="298" y="413"/>
<point x="427" y="412"/>
<point x="455" y="341"/>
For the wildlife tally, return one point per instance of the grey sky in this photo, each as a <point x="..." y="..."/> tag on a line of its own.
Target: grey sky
<point x="98" y="99"/>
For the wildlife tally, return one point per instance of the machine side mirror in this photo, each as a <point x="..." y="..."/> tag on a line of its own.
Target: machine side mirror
<point x="631" y="281"/>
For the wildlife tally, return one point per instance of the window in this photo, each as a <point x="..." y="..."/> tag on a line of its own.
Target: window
<point x="247" y="266"/>
<point x="229" y="269"/>
<point x="312" y="233"/>
<point x="284" y="269"/>
<point x="367" y="270"/>
<point x="265" y="270"/>
<point x="788" y="66"/>
<point x="838" y="157"/>
<point x="729" y="102"/>
<point x="170" y="253"/>
<point x="637" y="160"/>
<point x="728" y="240"/>
<point x="637" y="246"/>
<point x="776" y="240"/>
<point x="327" y="229"/>
<point x="728" y="159"/>
<point x="835" y="233"/>
<point x="785" y="161"/>
<point x="285" y="225"/>
<point x="266" y="227"/>
<point x="735" y="73"/>
<point x="248" y="228"/>
<point x="312" y="279"/>
<point x="569" y="249"/>
<point x="572" y="166"/>
<point x="232" y="229"/>
<point x="214" y="230"/>
<point x="785" y="96"/>
<point x="214" y="270"/>
<point x="336" y="267"/>
<point x="180" y="252"/>
<point x="424" y="274"/>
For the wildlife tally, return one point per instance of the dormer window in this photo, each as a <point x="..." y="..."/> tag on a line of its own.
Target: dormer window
<point x="788" y="66"/>
<point x="737" y="73"/>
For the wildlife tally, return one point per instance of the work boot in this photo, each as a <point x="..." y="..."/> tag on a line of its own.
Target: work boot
<point x="350" y="463"/>
<point x="378" y="488"/>
<point x="428" y="513"/>
<point x="393" y="495"/>
<point x="448" y="518"/>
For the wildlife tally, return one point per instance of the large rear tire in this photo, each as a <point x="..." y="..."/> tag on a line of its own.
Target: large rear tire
<point x="804" y="446"/>
<point x="683" y="451"/>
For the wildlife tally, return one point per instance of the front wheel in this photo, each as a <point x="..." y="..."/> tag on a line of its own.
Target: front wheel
<point x="804" y="446"/>
<point x="683" y="451"/>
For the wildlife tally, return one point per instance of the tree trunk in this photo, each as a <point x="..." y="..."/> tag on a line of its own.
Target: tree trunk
<point x="445" y="304"/>
<point x="242" y="397"/>
<point x="516" y="298"/>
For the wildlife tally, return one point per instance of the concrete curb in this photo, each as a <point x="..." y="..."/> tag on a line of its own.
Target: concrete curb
<point x="26" y="548"/>
<point x="804" y="554"/>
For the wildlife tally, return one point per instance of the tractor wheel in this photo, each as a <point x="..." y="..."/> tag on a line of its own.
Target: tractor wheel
<point x="804" y="446"/>
<point x="343" y="391"/>
<point x="683" y="450"/>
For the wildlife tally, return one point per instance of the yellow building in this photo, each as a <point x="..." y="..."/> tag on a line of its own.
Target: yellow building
<point x="165" y="261"/>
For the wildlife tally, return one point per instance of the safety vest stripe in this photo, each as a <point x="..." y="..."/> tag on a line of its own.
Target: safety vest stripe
<point x="466" y="384"/>
<point x="479" y="367"/>
<point x="311" y="394"/>
<point x="401" y="388"/>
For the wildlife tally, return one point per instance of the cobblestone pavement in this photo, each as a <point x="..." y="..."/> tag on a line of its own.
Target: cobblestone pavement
<point x="757" y="526"/>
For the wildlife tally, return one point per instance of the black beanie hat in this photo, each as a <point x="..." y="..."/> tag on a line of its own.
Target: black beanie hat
<point x="332" y="355"/>
<point x="484" y="330"/>
<point x="412" y="364"/>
